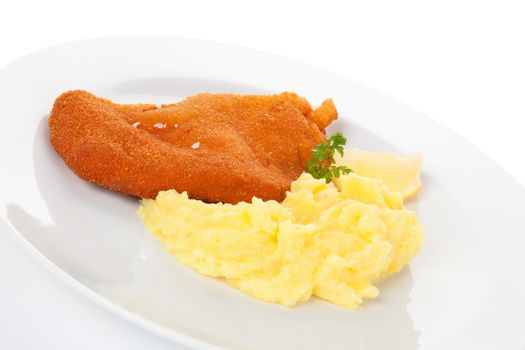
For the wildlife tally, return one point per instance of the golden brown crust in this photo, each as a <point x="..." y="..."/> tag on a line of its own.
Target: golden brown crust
<point x="324" y="115"/>
<point x="217" y="147"/>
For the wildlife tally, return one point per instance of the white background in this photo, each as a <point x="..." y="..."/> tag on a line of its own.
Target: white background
<point x="460" y="62"/>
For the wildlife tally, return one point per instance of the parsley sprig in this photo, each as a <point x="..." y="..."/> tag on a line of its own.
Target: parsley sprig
<point x="321" y="164"/>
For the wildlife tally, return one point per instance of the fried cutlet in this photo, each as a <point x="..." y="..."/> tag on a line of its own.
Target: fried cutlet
<point x="217" y="147"/>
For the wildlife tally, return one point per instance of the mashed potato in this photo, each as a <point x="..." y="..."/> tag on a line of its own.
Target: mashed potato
<point x="330" y="242"/>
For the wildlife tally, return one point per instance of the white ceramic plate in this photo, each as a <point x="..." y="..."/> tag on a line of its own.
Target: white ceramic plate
<point x="464" y="290"/>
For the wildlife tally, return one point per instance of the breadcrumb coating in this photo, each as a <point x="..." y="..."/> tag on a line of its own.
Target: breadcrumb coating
<point x="217" y="147"/>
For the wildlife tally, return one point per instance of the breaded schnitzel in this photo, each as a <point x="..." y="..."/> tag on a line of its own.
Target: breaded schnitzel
<point x="217" y="147"/>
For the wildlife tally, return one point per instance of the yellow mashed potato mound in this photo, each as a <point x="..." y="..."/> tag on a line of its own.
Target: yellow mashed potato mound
<point x="323" y="241"/>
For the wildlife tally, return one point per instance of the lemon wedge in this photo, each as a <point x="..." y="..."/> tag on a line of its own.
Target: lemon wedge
<point x="400" y="173"/>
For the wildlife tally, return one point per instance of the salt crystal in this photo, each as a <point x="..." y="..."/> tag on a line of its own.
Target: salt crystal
<point x="135" y="125"/>
<point x="196" y="145"/>
<point x="176" y="125"/>
<point x="159" y="125"/>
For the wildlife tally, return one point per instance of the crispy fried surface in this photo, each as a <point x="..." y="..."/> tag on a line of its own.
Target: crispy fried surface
<point x="217" y="147"/>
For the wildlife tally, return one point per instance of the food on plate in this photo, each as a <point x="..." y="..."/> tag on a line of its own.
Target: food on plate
<point x="239" y="187"/>
<point x="333" y="243"/>
<point x="216" y="147"/>
<point x="400" y="173"/>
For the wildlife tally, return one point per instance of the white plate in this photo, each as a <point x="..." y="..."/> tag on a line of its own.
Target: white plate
<point x="464" y="290"/>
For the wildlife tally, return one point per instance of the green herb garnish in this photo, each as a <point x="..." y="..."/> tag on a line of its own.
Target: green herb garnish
<point x="321" y="164"/>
